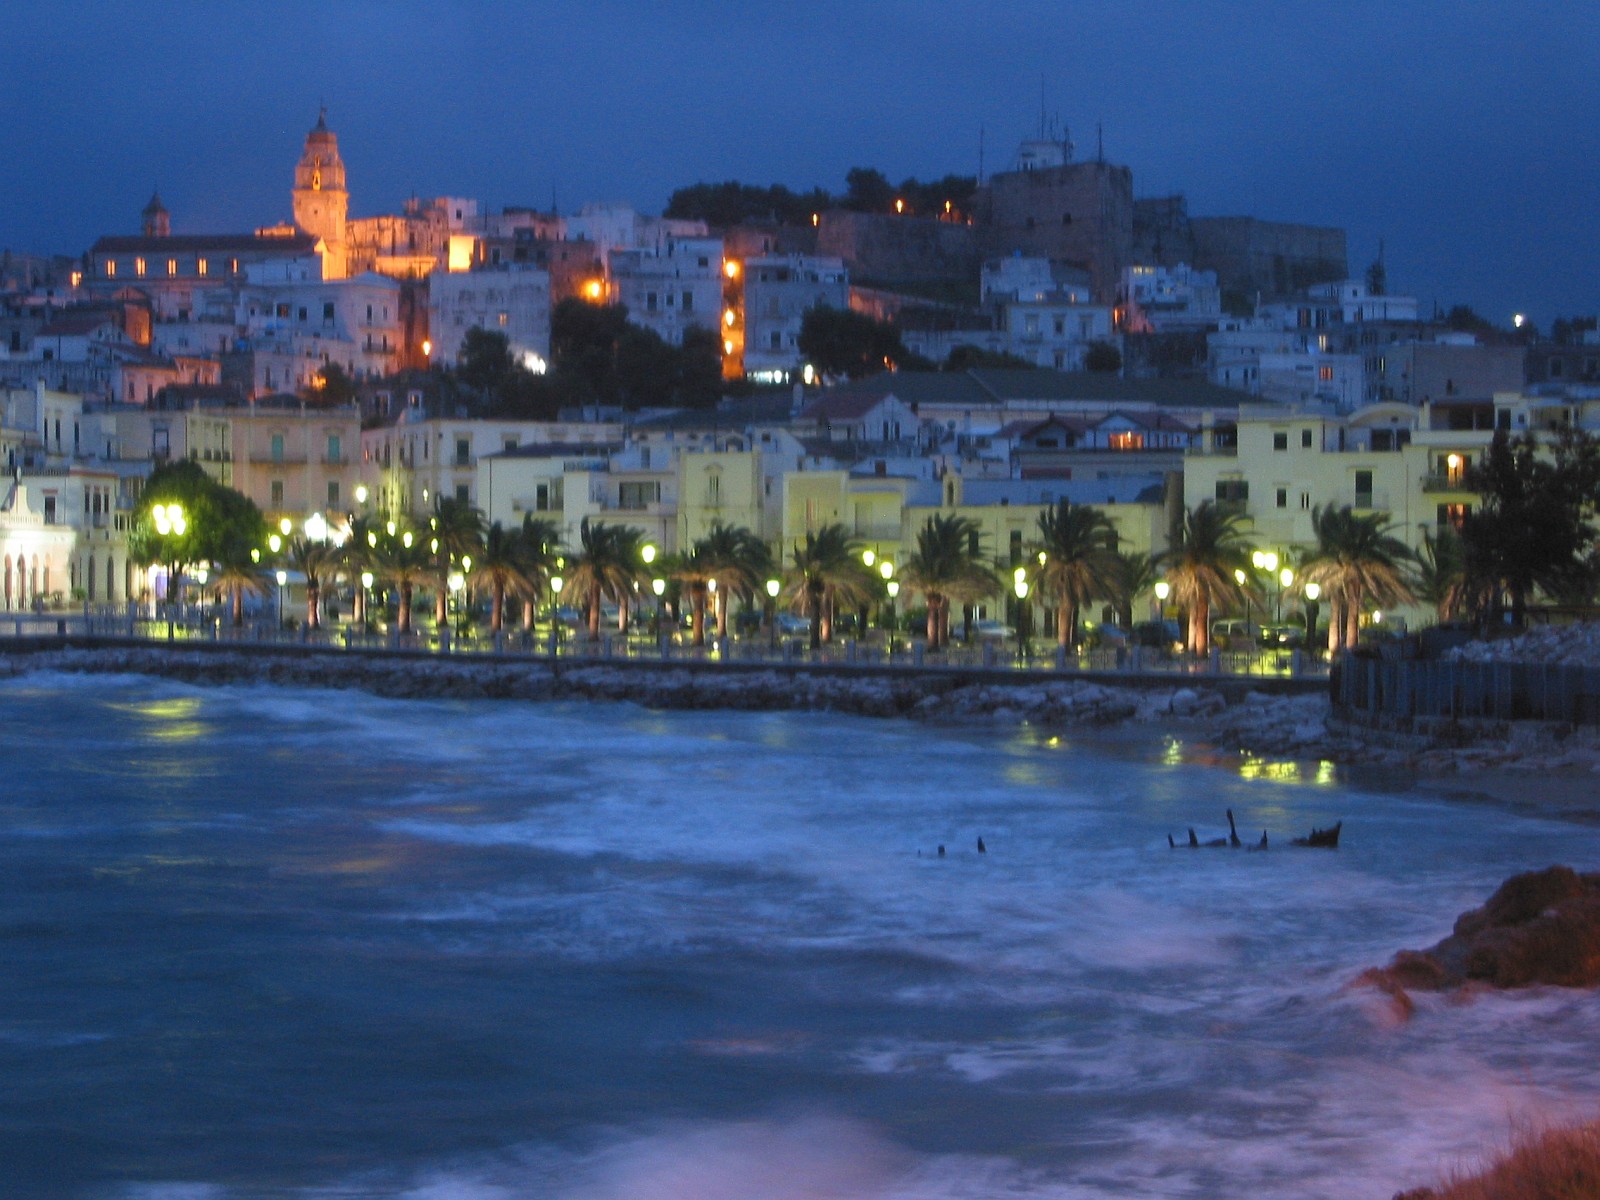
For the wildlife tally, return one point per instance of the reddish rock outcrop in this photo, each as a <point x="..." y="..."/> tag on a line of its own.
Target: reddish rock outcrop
<point x="1542" y="927"/>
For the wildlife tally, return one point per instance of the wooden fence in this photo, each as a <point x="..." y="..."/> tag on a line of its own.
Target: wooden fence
<point x="1412" y="688"/>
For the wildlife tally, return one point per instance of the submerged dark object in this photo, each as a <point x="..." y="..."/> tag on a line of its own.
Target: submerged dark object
<point x="982" y="849"/>
<point x="1324" y="839"/>
<point x="1232" y="840"/>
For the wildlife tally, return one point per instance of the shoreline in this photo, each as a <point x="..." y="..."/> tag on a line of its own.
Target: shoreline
<point x="1227" y="715"/>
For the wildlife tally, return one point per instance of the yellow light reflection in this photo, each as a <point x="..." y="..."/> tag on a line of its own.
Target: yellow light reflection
<point x="1275" y="771"/>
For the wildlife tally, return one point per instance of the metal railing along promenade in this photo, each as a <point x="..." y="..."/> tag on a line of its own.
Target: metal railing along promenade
<point x="1405" y="689"/>
<point x="191" y="625"/>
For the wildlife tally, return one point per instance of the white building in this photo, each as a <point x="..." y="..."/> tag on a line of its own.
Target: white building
<point x="512" y="299"/>
<point x="778" y="292"/>
<point x="671" y="286"/>
<point x="1170" y="299"/>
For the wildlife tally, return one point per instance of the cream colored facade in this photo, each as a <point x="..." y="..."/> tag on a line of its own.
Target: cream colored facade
<point x="291" y="461"/>
<point x="1380" y="459"/>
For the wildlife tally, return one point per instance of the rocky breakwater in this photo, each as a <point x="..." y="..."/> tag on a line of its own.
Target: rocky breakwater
<point x="923" y="695"/>
<point x="1542" y="927"/>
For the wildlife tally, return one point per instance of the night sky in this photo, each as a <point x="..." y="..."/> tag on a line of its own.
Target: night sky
<point x="1465" y="134"/>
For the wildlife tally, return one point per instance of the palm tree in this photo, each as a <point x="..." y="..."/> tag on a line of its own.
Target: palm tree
<point x="1136" y="574"/>
<point x="501" y="562"/>
<point x="1356" y="560"/>
<point x="403" y="560"/>
<point x="827" y="569"/>
<point x="238" y="574"/>
<point x="695" y="571"/>
<point x="606" y="567"/>
<point x="456" y="535"/>
<point x="539" y="549"/>
<point x="946" y="565"/>
<point x="1207" y="548"/>
<point x="316" y="561"/>
<point x="738" y="562"/>
<point x="1077" y="561"/>
<point x="355" y="557"/>
<point x="1440" y="574"/>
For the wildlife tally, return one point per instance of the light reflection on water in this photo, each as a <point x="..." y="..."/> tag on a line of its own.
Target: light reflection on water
<point x="387" y="948"/>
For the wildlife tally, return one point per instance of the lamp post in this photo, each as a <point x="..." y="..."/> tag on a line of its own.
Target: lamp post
<point x="659" y="587"/>
<point x="1285" y="579"/>
<point x="772" y="613"/>
<point x="1239" y="577"/>
<point x="1313" y="594"/>
<point x="893" y="588"/>
<point x="1020" y="586"/>
<point x="366" y="596"/>
<point x="886" y="571"/>
<point x="1163" y="589"/>
<point x="283" y="580"/>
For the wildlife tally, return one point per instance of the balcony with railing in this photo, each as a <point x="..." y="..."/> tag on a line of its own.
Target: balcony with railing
<point x="1445" y="481"/>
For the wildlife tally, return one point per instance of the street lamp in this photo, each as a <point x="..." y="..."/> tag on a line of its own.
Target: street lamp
<point x="648" y="553"/>
<point x="366" y="597"/>
<point x="772" y="612"/>
<point x="1285" y="578"/>
<point x="1238" y="577"/>
<point x="283" y="580"/>
<point x="361" y="493"/>
<point x="1163" y="589"/>
<point x="1313" y="594"/>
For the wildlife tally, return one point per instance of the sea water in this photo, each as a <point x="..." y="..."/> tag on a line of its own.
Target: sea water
<point x="262" y="942"/>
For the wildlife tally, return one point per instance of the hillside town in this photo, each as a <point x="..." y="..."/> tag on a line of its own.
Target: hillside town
<point x="986" y="355"/>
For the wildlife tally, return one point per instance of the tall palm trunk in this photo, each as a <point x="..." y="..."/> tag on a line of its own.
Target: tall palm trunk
<point x="827" y="616"/>
<point x="1200" y="627"/>
<point x="313" y="596"/>
<point x="238" y="605"/>
<point x="594" y="615"/>
<point x="722" y="613"/>
<point x="441" y="611"/>
<point x="697" y="614"/>
<point x="934" y="602"/>
<point x="497" y="608"/>
<point x="1066" y="622"/>
<point x="403" y="617"/>
<point x="1352" y="620"/>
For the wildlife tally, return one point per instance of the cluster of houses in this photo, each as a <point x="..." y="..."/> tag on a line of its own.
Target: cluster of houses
<point x="217" y="348"/>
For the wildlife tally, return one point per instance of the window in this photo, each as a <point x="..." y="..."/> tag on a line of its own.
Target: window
<point x="334" y="447"/>
<point x="650" y="302"/>
<point x="1016" y="546"/>
<point x="1325" y="374"/>
<point x="202" y="267"/>
<point x="333" y="493"/>
<point x="138" y="267"/>
<point x="1280" y="441"/>
<point x="1030" y="323"/>
<point x="635" y="496"/>
<point x="504" y="319"/>
<point x="509" y="441"/>
<point x="541" y="498"/>
<point x="1233" y="491"/>
<point x="1127" y="441"/>
<point x="1305" y="500"/>
<point x="111" y="268"/>
<point x="1060" y="326"/>
<point x="277" y="447"/>
<point x="327" y="311"/>
<point x="277" y="493"/>
<point x="1305" y="439"/>
<point x="301" y="312"/>
<point x="463" y="493"/>
<point x="1283" y="498"/>
<point x="1453" y="514"/>
<point x="1363" y="488"/>
<point x="463" y="452"/>
<point x="172" y="266"/>
<point x="688" y="302"/>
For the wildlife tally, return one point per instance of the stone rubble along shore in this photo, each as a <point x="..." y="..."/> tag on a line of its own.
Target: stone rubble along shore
<point x="1220" y="712"/>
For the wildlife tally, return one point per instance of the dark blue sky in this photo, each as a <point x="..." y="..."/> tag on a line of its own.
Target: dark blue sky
<point x="1465" y="134"/>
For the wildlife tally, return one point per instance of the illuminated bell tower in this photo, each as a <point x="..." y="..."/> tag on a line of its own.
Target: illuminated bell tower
<point x="320" y="199"/>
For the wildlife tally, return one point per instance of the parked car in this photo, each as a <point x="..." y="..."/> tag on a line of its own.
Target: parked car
<point x="991" y="631"/>
<point x="1284" y="637"/>
<point x="793" y="624"/>
<point x="1161" y="635"/>
<point x="1234" y="634"/>
<point x="1106" y="636"/>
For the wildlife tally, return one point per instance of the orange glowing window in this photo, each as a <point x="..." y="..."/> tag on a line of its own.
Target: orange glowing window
<point x="172" y="266"/>
<point x="202" y="267"/>
<point x="111" y="268"/>
<point x="138" y="266"/>
<point x="1127" y="441"/>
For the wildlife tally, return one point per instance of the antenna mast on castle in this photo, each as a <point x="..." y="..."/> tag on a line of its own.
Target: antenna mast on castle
<point x="980" y="155"/>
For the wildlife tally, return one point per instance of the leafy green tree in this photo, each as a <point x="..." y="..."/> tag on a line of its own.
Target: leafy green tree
<point x="583" y="345"/>
<point x="1077" y="543"/>
<point x="693" y="570"/>
<point x="238" y="576"/>
<point x="646" y="367"/>
<point x="699" y="374"/>
<point x="947" y="565"/>
<point x="733" y="203"/>
<point x="970" y="358"/>
<point x="334" y="387"/>
<point x="840" y="342"/>
<point x="1207" y="548"/>
<point x="1532" y="527"/>
<point x="1102" y="358"/>
<point x="1135" y="575"/>
<point x="218" y="525"/>
<point x="1440" y="575"/>
<point x="868" y="190"/>
<point x="1356" y="560"/>
<point x="485" y="359"/>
